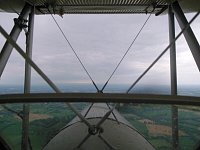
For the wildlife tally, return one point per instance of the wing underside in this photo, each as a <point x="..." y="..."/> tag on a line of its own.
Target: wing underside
<point x="97" y="6"/>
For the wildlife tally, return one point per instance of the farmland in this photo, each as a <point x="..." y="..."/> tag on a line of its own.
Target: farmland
<point x="152" y="121"/>
<point x="158" y="129"/>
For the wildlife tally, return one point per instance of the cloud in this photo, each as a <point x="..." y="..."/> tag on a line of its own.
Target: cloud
<point x="100" y="41"/>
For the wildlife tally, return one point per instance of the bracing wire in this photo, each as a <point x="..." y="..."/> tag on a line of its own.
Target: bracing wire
<point x="163" y="52"/>
<point x="129" y="48"/>
<point x="40" y="72"/>
<point x="75" y="53"/>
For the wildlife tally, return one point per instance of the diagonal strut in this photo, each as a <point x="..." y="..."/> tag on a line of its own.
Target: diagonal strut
<point x="40" y="72"/>
<point x="164" y="51"/>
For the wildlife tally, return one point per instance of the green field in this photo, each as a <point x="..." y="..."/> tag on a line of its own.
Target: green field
<point x="189" y="124"/>
<point x="47" y="119"/>
<point x="41" y="130"/>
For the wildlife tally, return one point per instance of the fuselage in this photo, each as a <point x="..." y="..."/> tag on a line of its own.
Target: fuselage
<point x="120" y="134"/>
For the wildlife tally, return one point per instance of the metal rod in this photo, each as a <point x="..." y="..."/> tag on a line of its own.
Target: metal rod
<point x="88" y="109"/>
<point x="40" y="72"/>
<point x="21" y="52"/>
<point x="173" y="72"/>
<point x="81" y="117"/>
<point x="12" y="111"/>
<point x="165" y="50"/>
<point x="75" y="53"/>
<point x="29" y="46"/>
<point x="188" y="34"/>
<point x="25" y="127"/>
<point x="129" y="48"/>
<point x="27" y="81"/>
<point x="103" y="119"/>
<point x="113" y="113"/>
<point x="100" y="98"/>
<point x="106" y="142"/>
<point x="97" y="126"/>
<point x="84" y="140"/>
<point x="7" y="48"/>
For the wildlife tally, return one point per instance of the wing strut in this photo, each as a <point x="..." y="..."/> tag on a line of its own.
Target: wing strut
<point x="41" y="73"/>
<point x="188" y="33"/>
<point x="20" y="23"/>
<point x="25" y="142"/>
<point x="164" y="51"/>
<point x="173" y="71"/>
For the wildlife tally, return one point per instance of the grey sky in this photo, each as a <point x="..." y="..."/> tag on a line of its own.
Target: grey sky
<point x="101" y="41"/>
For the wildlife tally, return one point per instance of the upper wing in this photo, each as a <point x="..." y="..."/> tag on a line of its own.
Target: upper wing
<point x="97" y="6"/>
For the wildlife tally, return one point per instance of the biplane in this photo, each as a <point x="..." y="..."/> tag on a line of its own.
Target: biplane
<point x="100" y="125"/>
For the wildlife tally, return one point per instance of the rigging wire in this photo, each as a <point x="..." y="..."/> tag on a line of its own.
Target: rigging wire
<point x="40" y="72"/>
<point x="164" y="51"/>
<point x="95" y="128"/>
<point x="129" y="48"/>
<point x="75" y="53"/>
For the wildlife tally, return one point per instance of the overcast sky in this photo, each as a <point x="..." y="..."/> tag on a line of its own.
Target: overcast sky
<point x="100" y="41"/>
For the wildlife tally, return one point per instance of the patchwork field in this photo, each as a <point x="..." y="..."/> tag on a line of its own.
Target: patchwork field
<point x="152" y="121"/>
<point x="33" y="117"/>
<point x="156" y="130"/>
